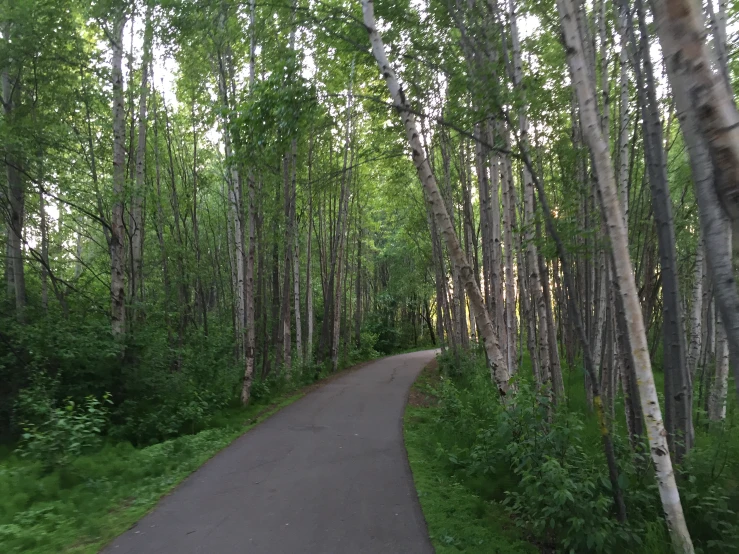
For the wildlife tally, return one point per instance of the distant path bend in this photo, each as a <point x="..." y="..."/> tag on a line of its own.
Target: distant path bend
<point x="325" y="475"/>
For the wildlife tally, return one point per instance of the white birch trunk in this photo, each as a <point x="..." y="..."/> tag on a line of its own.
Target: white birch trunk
<point x="249" y="350"/>
<point x="117" y="271"/>
<point x="719" y="383"/>
<point x="308" y="262"/>
<point x="510" y="284"/>
<point x="623" y="111"/>
<point x="538" y="307"/>
<point x="627" y="286"/>
<point x="296" y="258"/>
<point x="696" y="311"/>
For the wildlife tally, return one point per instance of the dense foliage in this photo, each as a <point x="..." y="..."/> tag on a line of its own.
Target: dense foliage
<point x="542" y="466"/>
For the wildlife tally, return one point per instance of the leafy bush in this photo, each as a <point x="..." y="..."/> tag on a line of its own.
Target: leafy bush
<point x="367" y="349"/>
<point x="68" y="432"/>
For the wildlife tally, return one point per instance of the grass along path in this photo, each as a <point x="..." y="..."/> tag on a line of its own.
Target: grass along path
<point x="458" y="519"/>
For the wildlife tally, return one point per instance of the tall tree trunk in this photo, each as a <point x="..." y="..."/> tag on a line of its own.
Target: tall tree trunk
<point x="288" y="269"/>
<point x="137" y="198"/>
<point x="678" y="387"/>
<point x="498" y="368"/>
<point x="44" y="249"/>
<point x="342" y="224"/>
<point x="196" y="226"/>
<point x="486" y="234"/>
<point x="235" y="198"/>
<point x="624" y="273"/>
<point x="696" y="311"/>
<point x="720" y="381"/>
<point x="342" y="231"/>
<point x="16" y="202"/>
<point x="538" y="307"/>
<point x="624" y="115"/>
<point x="296" y="255"/>
<point x="308" y="261"/>
<point x="496" y="283"/>
<point x="249" y="350"/>
<point x="117" y="253"/>
<point x="358" y="310"/>
<point x="509" y="223"/>
<point x="160" y="224"/>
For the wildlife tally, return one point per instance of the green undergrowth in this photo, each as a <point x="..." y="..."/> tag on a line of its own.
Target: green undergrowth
<point x="458" y="515"/>
<point x="81" y="504"/>
<point x="530" y="477"/>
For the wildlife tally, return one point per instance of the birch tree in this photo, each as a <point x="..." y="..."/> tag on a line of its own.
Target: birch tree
<point x="583" y="85"/>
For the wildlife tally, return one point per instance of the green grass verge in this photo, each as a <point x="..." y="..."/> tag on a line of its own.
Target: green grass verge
<point x="458" y="519"/>
<point x="81" y="507"/>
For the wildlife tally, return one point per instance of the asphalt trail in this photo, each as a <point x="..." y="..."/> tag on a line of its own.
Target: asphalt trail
<point x="325" y="475"/>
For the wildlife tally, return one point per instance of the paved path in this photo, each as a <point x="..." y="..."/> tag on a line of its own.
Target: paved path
<point x="325" y="475"/>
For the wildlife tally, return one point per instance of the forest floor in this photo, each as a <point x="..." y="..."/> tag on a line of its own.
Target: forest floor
<point x="80" y="507"/>
<point x="458" y="519"/>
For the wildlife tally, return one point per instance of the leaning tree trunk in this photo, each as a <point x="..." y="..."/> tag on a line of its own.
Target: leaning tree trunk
<point x="498" y="369"/>
<point x="627" y="286"/>
<point x="711" y="210"/>
<point x="682" y="34"/>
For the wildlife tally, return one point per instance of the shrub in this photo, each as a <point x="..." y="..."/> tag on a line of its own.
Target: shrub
<point x="68" y="432"/>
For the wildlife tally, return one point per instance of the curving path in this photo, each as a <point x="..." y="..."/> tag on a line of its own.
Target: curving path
<point x="325" y="475"/>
